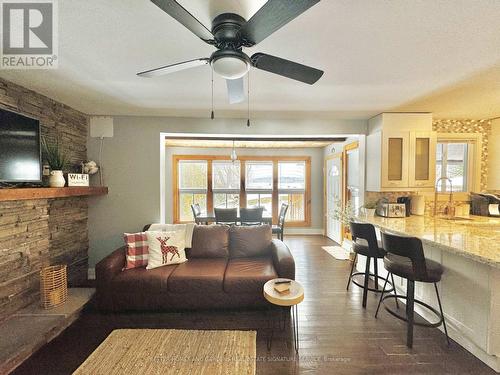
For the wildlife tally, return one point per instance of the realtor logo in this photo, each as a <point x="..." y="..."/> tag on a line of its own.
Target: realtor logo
<point x="29" y="34"/>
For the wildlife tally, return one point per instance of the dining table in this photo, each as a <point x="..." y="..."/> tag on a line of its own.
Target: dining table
<point x="209" y="217"/>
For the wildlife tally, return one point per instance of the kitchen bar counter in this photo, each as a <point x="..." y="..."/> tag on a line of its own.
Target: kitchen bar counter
<point x="476" y="237"/>
<point x="469" y="251"/>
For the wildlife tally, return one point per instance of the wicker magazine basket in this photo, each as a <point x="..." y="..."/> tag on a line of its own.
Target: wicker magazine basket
<point x="53" y="286"/>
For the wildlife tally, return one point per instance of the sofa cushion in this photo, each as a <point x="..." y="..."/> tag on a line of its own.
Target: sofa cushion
<point x="250" y="241"/>
<point x="248" y="275"/>
<point x="198" y="276"/>
<point x="210" y="241"/>
<point x="141" y="280"/>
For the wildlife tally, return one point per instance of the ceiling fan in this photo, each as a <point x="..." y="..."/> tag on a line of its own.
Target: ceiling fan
<point x="230" y="33"/>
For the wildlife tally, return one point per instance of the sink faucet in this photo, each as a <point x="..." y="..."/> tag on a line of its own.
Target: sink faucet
<point x="436" y="194"/>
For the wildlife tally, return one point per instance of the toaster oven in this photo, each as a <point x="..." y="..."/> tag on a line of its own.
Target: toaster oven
<point x="391" y="210"/>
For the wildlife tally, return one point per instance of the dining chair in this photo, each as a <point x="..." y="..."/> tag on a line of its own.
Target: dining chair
<point x="251" y="216"/>
<point x="226" y="216"/>
<point x="279" y="229"/>
<point x="196" y="212"/>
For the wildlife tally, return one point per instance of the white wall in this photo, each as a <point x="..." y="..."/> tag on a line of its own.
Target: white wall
<point x="494" y="156"/>
<point x="131" y="162"/>
<point x="316" y="155"/>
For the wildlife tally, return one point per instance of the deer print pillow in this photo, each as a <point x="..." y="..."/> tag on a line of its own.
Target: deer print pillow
<point x="166" y="248"/>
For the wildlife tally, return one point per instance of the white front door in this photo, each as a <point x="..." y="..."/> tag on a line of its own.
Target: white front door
<point x="333" y="198"/>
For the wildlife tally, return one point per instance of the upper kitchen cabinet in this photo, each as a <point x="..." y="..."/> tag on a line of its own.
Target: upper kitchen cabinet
<point x="400" y="152"/>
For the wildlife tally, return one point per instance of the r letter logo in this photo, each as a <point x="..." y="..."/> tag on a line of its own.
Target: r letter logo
<point x="29" y="34"/>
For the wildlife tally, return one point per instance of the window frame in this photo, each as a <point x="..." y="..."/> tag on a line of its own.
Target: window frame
<point x="243" y="192"/>
<point x="473" y="178"/>
<point x="292" y="191"/>
<point x="191" y="191"/>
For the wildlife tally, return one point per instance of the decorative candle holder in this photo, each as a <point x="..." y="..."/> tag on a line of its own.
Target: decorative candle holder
<point x="53" y="286"/>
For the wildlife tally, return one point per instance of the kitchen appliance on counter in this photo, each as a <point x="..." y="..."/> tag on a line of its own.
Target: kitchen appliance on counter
<point x="484" y="204"/>
<point x="417" y="205"/>
<point x="407" y="202"/>
<point x="386" y="209"/>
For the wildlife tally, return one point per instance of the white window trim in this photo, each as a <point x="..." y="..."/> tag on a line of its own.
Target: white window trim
<point x="474" y="157"/>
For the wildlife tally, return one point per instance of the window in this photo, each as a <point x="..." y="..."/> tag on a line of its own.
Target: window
<point x="259" y="185"/>
<point x="259" y="176"/>
<point x="292" y="188"/>
<point x="192" y="187"/>
<point x="452" y="160"/>
<point x="226" y="184"/>
<point x="252" y="181"/>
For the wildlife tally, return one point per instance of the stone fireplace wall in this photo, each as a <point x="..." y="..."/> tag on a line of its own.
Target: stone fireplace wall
<point x="35" y="233"/>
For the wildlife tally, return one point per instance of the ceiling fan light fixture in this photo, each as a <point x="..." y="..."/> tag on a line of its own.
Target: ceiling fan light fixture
<point x="230" y="64"/>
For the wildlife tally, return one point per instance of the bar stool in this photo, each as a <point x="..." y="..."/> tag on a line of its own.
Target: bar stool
<point x="365" y="243"/>
<point x="405" y="258"/>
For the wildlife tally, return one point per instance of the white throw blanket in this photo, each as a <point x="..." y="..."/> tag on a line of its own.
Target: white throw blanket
<point x="188" y="229"/>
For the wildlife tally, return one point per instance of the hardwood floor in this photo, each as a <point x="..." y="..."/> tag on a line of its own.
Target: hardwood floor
<point x="337" y="336"/>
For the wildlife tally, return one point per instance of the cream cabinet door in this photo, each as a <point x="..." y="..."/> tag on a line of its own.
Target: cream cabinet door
<point x="395" y="159"/>
<point x="422" y="159"/>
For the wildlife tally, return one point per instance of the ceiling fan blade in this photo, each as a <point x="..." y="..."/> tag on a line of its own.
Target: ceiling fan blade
<point x="173" y="68"/>
<point x="272" y="16"/>
<point x="286" y="68"/>
<point x="175" y="10"/>
<point x="235" y="90"/>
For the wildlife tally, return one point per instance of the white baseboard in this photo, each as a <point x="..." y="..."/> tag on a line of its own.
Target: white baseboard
<point x="91" y="273"/>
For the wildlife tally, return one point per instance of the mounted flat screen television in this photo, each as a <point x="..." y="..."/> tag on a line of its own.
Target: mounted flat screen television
<point x="20" y="156"/>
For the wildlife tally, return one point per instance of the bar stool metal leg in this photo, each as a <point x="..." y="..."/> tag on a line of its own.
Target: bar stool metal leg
<point x="352" y="270"/>
<point x="367" y="278"/>
<point x="410" y="294"/>
<point x="442" y="315"/>
<point x="395" y="292"/>
<point x="382" y="294"/>
<point x="375" y="267"/>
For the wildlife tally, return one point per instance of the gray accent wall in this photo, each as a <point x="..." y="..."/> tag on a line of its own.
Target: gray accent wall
<point x="131" y="164"/>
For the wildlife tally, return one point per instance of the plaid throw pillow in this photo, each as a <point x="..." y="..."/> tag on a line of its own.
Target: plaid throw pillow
<point x="137" y="249"/>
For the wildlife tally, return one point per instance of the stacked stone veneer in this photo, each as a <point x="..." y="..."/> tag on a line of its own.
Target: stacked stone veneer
<point x="448" y="126"/>
<point x="35" y="233"/>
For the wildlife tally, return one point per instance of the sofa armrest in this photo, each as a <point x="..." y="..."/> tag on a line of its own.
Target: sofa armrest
<point x="283" y="259"/>
<point x="110" y="266"/>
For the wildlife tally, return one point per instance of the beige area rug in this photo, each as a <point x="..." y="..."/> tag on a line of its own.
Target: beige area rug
<point x="171" y="351"/>
<point x="337" y="252"/>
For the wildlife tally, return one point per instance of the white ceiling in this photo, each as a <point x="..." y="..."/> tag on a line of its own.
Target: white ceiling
<point x="378" y="55"/>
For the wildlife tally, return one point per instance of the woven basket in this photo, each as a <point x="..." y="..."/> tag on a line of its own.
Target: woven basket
<point x="53" y="286"/>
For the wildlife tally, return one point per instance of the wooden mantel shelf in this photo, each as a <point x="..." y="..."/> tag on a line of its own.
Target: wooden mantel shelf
<point x="17" y="194"/>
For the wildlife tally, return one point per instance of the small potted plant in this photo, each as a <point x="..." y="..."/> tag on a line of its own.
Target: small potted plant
<point x="57" y="160"/>
<point x="369" y="208"/>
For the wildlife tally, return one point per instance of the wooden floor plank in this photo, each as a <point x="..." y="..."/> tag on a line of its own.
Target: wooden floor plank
<point x="337" y="336"/>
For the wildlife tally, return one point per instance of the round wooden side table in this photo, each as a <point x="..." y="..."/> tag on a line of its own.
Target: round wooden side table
<point x="291" y="299"/>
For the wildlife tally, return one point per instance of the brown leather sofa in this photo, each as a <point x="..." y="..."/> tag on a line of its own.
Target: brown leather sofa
<point x="226" y="268"/>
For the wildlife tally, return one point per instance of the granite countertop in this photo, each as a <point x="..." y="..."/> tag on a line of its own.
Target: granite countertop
<point x="476" y="237"/>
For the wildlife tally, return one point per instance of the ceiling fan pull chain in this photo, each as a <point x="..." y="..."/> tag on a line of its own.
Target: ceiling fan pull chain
<point x="212" y="114"/>
<point x="248" y="99"/>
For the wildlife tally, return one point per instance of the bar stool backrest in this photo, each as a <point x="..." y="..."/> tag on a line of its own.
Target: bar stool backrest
<point x="226" y="215"/>
<point x="408" y="247"/>
<point x="366" y="232"/>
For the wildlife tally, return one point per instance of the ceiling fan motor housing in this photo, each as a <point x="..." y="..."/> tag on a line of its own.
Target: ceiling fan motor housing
<point x="226" y="30"/>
